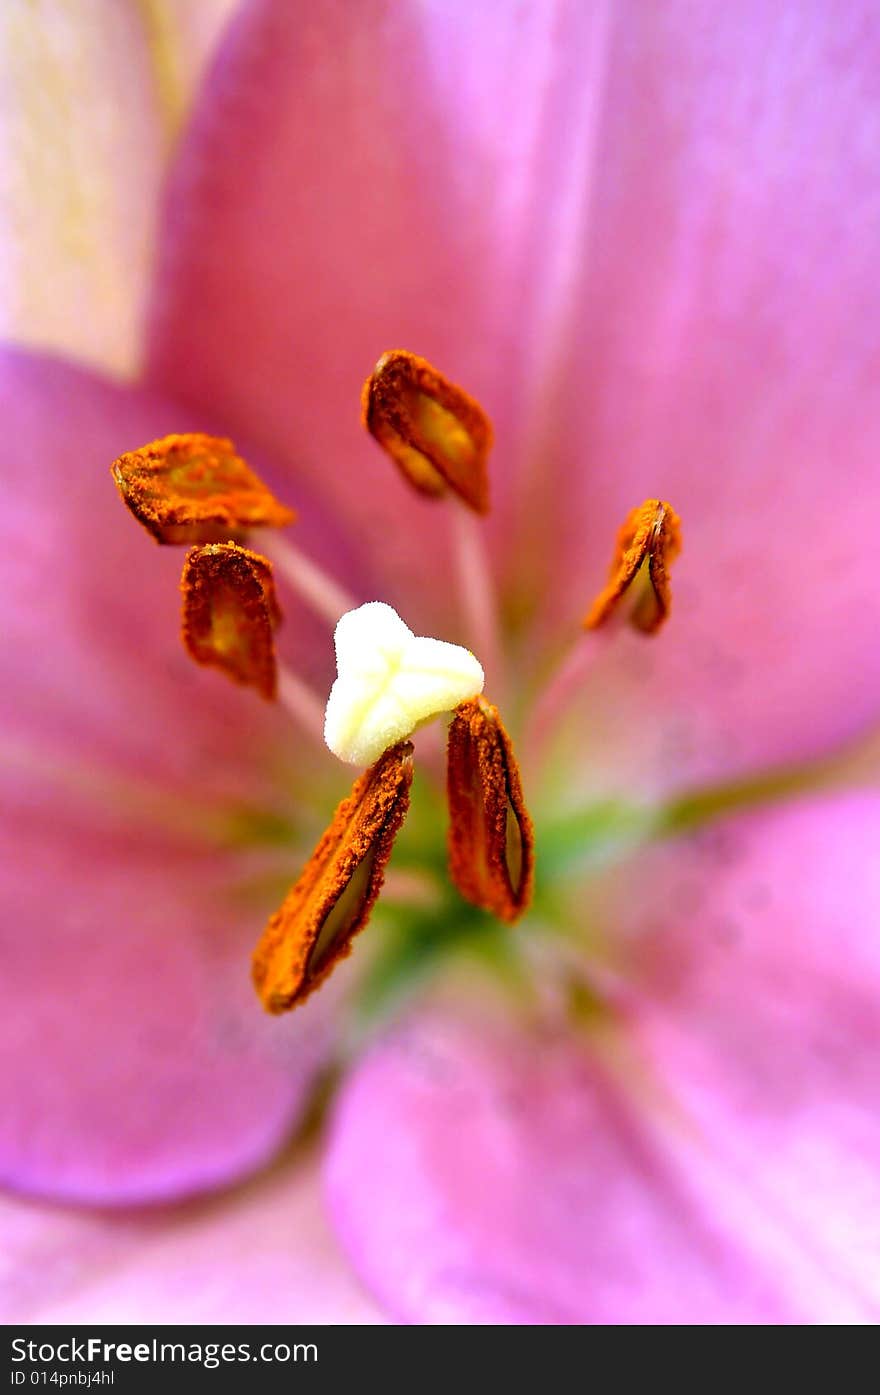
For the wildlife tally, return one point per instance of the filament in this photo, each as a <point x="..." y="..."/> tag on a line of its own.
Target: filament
<point x="476" y="590"/>
<point x="567" y="682"/>
<point x="301" y="701"/>
<point x="316" y="587"/>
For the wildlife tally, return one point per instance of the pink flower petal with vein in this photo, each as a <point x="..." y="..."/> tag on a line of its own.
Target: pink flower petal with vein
<point x="710" y="1156"/>
<point x="644" y="237"/>
<point x="137" y="1062"/>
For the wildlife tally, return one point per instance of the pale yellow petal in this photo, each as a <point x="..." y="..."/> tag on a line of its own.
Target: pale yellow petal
<point x="92" y="94"/>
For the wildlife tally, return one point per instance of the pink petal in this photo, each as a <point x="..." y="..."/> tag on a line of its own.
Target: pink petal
<point x="137" y="1062"/>
<point x="94" y="672"/>
<point x="643" y="235"/>
<point x="258" y="1255"/>
<point x="393" y="204"/>
<point x="494" y="1177"/>
<point x="756" y="944"/>
<point x="724" y="356"/>
<point x="707" y="1155"/>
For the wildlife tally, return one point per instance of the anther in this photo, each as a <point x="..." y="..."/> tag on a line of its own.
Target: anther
<point x="332" y="900"/>
<point x="647" y="544"/>
<point x="436" y="434"/>
<point x="195" y="489"/>
<point x="230" y="613"/>
<point x="491" y="840"/>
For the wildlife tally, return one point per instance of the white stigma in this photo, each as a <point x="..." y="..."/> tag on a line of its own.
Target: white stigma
<point x="390" y="681"/>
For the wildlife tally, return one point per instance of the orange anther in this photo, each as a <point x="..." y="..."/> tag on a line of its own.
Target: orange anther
<point x="230" y="613"/>
<point x="491" y="840"/>
<point x="435" y="433"/>
<point x="194" y="488"/>
<point x="332" y="900"/>
<point x="647" y="544"/>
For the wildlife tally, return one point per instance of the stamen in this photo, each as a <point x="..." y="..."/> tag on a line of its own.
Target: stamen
<point x="332" y="900"/>
<point x="435" y="433"/>
<point x="311" y="582"/>
<point x="230" y="613"/>
<point x="647" y="544"/>
<point x="567" y="682"/>
<point x="195" y="489"/>
<point x="301" y="701"/>
<point x="390" y="681"/>
<point x="491" y="840"/>
<point x="476" y="591"/>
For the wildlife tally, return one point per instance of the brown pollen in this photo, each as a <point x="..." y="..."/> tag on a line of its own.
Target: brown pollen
<point x="436" y="433"/>
<point x="491" y="839"/>
<point x="332" y="900"/>
<point x="230" y="614"/>
<point x="194" y="488"/>
<point x="647" y="544"/>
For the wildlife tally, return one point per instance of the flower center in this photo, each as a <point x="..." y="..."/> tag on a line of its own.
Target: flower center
<point x="196" y="490"/>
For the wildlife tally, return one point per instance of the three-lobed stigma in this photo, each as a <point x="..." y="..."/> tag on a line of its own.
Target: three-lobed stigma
<point x="390" y="682"/>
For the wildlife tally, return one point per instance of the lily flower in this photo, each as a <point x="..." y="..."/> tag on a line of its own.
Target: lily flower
<point x="642" y="240"/>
